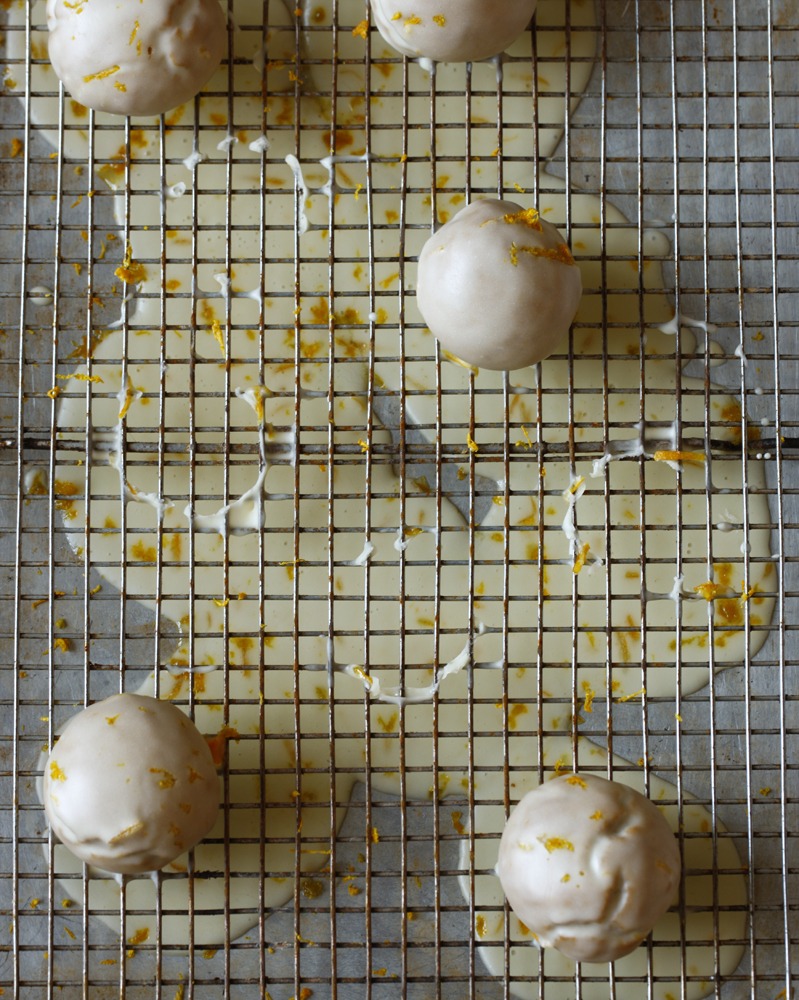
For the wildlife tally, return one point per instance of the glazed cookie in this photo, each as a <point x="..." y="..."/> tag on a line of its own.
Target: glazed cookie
<point x="452" y="30"/>
<point x="589" y="865"/>
<point x="130" y="785"/>
<point x="135" y="59"/>
<point x="498" y="286"/>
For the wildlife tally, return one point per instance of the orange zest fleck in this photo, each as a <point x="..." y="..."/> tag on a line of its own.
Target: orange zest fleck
<point x="557" y="844"/>
<point x="218" y="744"/>
<point x="559" y="253"/>
<point x="527" y="217"/>
<point x="131" y="272"/>
<point x="582" y="556"/>
<point x="102" y="74"/>
<point x="697" y="457"/>
<point x="709" y="590"/>
<point x="56" y="774"/>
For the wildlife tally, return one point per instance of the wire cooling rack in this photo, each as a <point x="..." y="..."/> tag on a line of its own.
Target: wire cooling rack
<point x="679" y="115"/>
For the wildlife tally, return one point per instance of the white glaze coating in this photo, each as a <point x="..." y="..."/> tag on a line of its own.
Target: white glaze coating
<point x="135" y="59"/>
<point x="130" y="784"/>
<point x="589" y="865"/>
<point x="498" y="286"/>
<point x="452" y="30"/>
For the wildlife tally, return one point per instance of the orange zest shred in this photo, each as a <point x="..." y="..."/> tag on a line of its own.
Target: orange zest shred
<point x="527" y="217"/>
<point x="130" y="271"/>
<point x="557" y="844"/>
<point x="560" y="253"/>
<point x="80" y="377"/>
<point x="709" y="590"/>
<point x="582" y="556"/>
<point x="218" y="744"/>
<point x="102" y="74"/>
<point x="630" y="697"/>
<point x="697" y="457"/>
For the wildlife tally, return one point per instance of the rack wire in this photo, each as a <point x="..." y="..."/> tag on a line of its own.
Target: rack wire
<point x="679" y="115"/>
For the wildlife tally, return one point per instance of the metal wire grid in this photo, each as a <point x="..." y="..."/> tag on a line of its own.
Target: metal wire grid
<point x="689" y="119"/>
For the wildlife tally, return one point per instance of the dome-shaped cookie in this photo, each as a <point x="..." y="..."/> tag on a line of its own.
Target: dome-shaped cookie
<point x="135" y="57"/>
<point x="452" y="30"/>
<point x="130" y="784"/>
<point x="498" y="286"/>
<point x="589" y="865"/>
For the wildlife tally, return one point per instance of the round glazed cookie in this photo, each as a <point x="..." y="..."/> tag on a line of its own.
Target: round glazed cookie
<point x="589" y="865"/>
<point x="498" y="286"/>
<point x="138" y="58"/>
<point x="452" y="30"/>
<point x="130" y="784"/>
